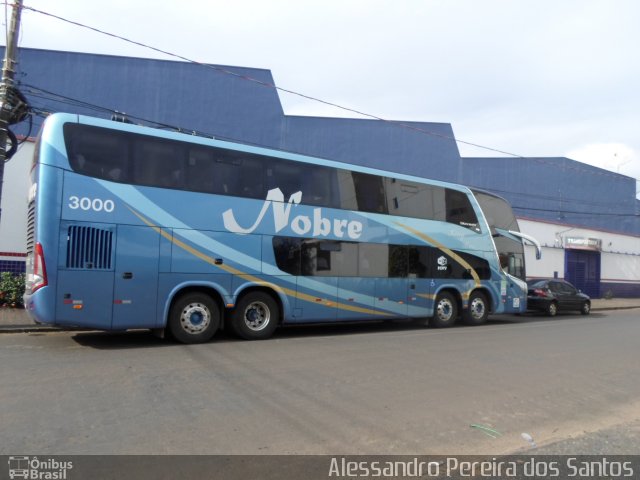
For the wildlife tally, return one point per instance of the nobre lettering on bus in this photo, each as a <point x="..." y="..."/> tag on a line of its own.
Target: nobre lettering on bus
<point x="300" y="224"/>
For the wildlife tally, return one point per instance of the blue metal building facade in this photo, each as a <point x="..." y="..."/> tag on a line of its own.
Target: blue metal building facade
<point x="226" y="105"/>
<point x="559" y="189"/>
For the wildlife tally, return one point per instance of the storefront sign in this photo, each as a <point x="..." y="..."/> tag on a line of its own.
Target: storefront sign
<point x="582" y="243"/>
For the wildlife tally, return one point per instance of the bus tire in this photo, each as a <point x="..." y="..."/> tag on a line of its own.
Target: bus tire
<point x="445" y="311"/>
<point x="477" y="310"/>
<point x="194" y="318"/>
<point x="256" y="316"/>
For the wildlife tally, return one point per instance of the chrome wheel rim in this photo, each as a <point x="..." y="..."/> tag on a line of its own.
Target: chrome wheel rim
<point x="477" y="309"/>
<point x="257" y="316"/>
<point x="444" y="310"/>
<point x="195" y="318"/>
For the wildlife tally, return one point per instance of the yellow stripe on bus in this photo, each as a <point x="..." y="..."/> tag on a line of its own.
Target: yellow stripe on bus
<point x="446" y="250"/>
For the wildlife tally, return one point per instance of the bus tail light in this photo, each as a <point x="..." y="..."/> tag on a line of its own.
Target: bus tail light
<point x="39" y="276"/>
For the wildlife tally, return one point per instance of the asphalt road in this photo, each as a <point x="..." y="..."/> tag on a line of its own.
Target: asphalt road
<point x="365" y="389"/>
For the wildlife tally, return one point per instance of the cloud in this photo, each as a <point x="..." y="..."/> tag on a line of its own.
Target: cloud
<point x="616" y="157"/>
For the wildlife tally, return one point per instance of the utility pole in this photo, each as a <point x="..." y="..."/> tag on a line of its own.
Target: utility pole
<point x="7" y="90"/>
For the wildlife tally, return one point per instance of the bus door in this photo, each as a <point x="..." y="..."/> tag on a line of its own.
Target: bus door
<point x="136" y="277"/>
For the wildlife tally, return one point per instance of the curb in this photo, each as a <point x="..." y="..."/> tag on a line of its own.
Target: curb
<point x="600" y="309"/>
<point x="40" y="328"/>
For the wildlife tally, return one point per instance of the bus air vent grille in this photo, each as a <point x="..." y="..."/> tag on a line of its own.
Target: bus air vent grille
<point x="31" y="228"/>
<point x="89" y="248"/>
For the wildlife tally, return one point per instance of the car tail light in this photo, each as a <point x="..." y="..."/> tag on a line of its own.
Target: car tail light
<point x="540" y="292"/>
<point x="39" y="275"/>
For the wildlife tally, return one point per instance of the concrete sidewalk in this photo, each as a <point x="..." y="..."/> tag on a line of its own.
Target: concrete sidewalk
<point x="614" y="303"/>
<point x="17" y="320"/>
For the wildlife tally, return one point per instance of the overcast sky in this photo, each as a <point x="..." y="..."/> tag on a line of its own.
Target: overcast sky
<point x="533" y="78"/>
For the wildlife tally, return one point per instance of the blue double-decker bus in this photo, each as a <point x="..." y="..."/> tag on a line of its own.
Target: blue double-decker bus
<point x="133" y="227"/>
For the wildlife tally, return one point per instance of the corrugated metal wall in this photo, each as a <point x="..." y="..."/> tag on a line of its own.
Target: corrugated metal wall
<point x="559" y="190"/>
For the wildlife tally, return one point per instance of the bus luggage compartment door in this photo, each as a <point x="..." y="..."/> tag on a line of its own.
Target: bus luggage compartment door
<point x="85" y="275"/>
<point x="136" y="278"/>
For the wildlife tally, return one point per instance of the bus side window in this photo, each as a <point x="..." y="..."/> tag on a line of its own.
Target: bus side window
<point x="287" y="176"/>
<point x="398" y="261"/>
<point x="250" y="178"/>
<point x="370" y="193"/>
<point x="419" y="262"/>
<point x="318" y="185"/>
<point x="346" y="191"/>
<point x="201" y="172"/>
<point x="287" y="254"/>
<point x="158" y="163"/>
<point x="460" y="211"/>
<point x="97" y="153"/>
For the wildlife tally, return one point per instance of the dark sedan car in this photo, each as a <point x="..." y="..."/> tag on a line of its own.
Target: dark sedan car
<point x="554" y="295"/>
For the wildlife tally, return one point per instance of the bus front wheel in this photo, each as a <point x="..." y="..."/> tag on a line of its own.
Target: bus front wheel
<point x="445" y="311"/>
<point x="477" y="311"/>
<point x="256" y="316"/>
<point x="194" y="318"/>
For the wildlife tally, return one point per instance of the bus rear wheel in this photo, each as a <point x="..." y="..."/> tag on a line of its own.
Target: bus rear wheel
<point x="445" y="311"/>
<point x="477" y="310"/>
<point x="256" y="316"/>
<point x="194" y="318"/>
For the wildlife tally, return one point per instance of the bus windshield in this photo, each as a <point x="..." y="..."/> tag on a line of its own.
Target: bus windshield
<point x="501" y="220"/>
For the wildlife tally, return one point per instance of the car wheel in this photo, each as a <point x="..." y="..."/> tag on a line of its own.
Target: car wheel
<point x="552" y="309"/>
<point x="445" y="311"/>
<point x="477" y="311"/>
<point x="256" y="316"/>
<point x="586" y="308"/>
<point x="194" y="318"/>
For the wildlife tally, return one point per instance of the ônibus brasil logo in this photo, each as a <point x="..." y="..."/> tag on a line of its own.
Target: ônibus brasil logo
<point x="38" y="469"/>
<point x="318" y="225"/>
